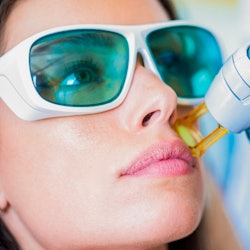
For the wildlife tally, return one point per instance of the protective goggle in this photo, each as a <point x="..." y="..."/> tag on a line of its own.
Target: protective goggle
<point x="85" y="69"/>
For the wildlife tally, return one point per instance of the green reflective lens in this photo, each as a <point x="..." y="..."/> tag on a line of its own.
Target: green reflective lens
<point x="79" y="68"/>
<point x="187" y="57"/>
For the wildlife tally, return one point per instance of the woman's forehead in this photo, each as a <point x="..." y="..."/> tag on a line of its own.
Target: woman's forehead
<point x="32" y="16"/>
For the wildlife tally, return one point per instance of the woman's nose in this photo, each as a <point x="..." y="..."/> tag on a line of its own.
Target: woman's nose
<point x="149" y="101"/>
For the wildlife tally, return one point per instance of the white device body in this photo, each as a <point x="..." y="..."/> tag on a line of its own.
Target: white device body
<point x="228" y="98"/>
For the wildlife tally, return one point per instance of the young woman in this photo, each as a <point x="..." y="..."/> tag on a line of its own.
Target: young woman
<point x="88" y="158"/>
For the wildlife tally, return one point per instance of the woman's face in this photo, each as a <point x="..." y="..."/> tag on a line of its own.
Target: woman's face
<point x="116" y="179"/>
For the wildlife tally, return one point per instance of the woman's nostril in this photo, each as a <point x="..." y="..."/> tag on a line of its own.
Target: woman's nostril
<point x="149" y="117"/>
<point x="146" y="119"/>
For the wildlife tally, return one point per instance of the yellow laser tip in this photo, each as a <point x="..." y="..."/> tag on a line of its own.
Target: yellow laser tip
<point x="186" y="135"/>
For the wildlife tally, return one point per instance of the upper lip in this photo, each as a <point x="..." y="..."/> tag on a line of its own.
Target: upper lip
<point x="165" y="150"/>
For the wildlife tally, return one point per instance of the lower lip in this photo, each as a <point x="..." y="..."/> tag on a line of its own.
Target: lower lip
<point x="164" y="168"/>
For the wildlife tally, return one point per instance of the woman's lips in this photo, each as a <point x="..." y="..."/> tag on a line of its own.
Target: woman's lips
<point x="170" y="158"/>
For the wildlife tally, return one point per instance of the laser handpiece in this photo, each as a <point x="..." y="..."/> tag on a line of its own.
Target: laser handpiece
<point x="227" y="100"/>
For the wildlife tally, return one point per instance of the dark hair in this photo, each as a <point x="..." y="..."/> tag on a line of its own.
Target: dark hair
<point x="5" y="8"/>
<point x="170" y="8"/>
<point x="7" y="241"/>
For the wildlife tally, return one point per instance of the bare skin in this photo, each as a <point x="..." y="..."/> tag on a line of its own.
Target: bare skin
<point x="60" y="179"/>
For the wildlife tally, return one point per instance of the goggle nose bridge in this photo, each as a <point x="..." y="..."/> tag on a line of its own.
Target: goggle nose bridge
<point x="142" y="49"/>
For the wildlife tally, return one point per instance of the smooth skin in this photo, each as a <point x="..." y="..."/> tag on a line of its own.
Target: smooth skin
<point x="60" y="181"/>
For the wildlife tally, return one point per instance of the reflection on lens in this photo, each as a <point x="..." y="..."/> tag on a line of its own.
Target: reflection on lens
<point x="187" y="57"/>
<point x="79" y="67"/>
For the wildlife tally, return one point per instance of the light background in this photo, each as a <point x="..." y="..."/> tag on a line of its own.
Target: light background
<point x="227" y="18"/>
